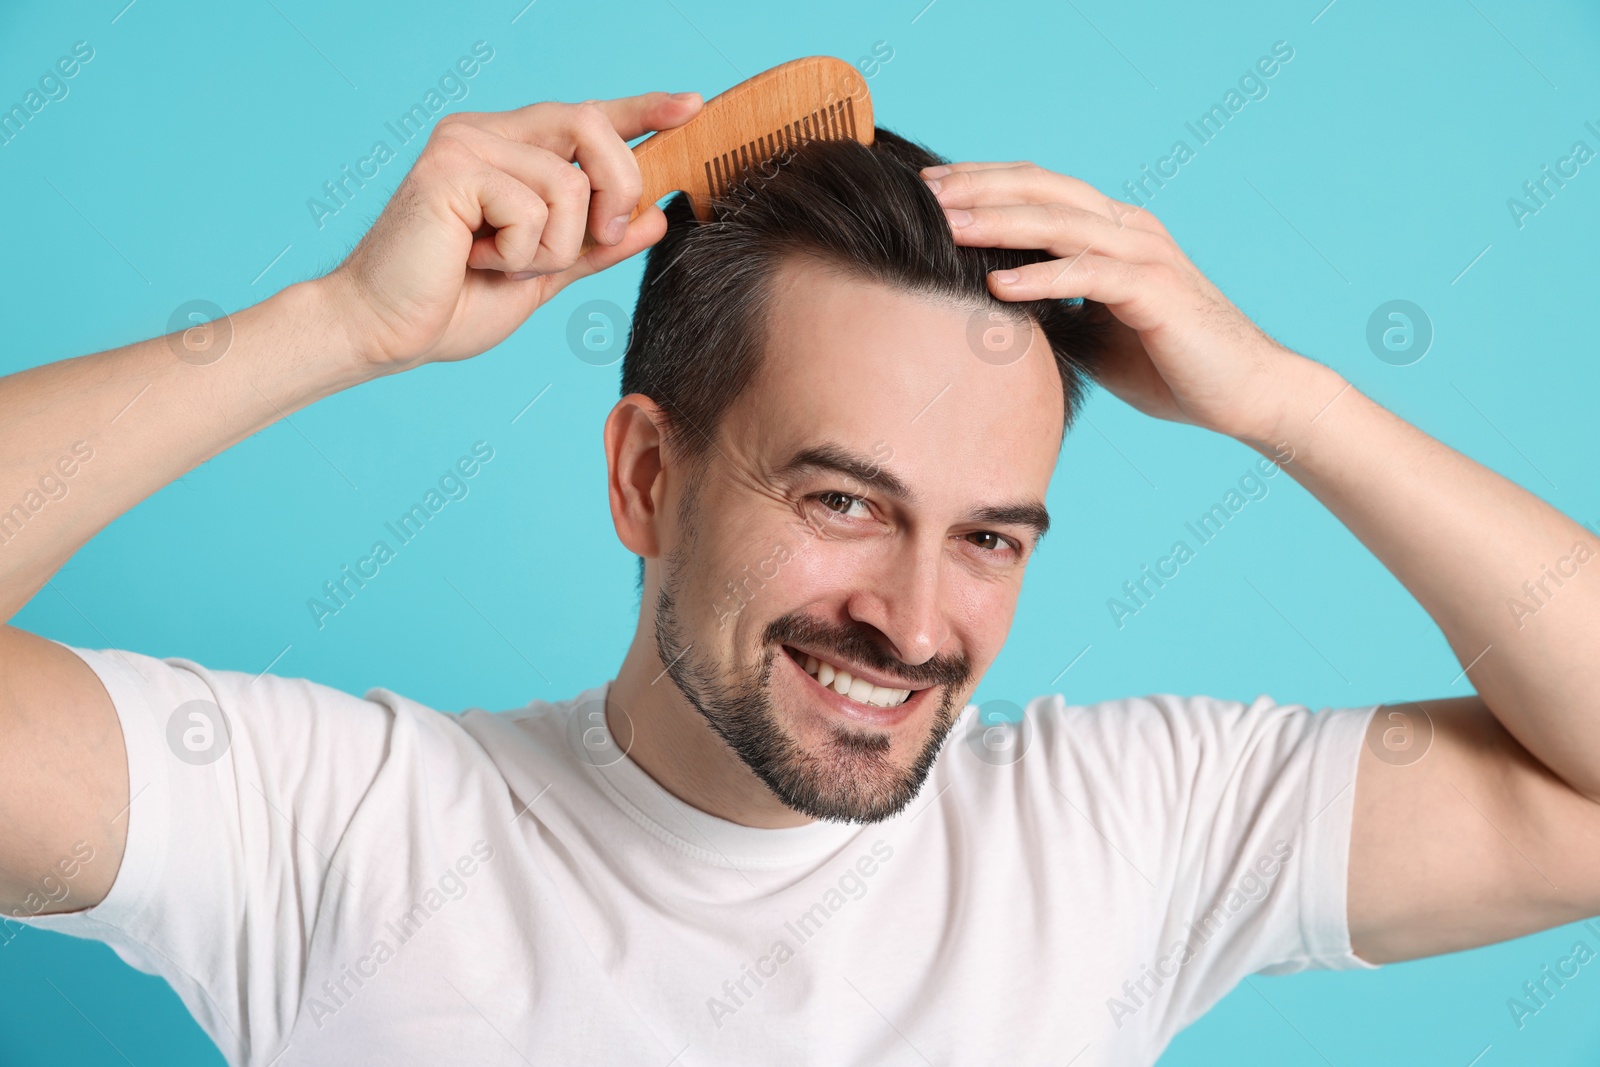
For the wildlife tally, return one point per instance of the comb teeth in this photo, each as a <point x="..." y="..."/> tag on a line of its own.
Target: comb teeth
<point x="832" y="122"/>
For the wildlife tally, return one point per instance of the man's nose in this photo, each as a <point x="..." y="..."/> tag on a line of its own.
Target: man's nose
<point x="905" y="600"/>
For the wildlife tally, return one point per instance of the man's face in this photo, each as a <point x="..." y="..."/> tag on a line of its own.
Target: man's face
<point x="870" y="504"/>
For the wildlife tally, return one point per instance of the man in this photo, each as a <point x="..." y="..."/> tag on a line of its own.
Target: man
<point x="754" y="844"/>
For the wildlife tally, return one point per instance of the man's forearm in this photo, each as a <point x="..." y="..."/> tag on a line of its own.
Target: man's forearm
<point x="1469" y="545"/>
<point x="143" y="417"/>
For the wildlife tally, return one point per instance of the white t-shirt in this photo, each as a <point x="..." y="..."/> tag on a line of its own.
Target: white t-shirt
<point x="371" y="881"/>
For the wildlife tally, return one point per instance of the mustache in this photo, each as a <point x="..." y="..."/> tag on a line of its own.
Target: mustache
<point x="856" y="644"/>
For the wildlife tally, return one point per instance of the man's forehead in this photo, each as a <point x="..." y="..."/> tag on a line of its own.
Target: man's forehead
<point x="878" y="369"/>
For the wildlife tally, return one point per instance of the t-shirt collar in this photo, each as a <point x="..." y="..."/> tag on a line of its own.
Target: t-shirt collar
<point x="707" y="837"/>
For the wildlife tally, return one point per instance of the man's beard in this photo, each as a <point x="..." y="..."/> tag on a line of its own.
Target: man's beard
<point x="850" y="777"/>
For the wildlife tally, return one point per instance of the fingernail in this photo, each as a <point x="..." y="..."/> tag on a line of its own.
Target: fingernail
<point x="958" y="216"/>
<point x="616" y="228"/>
<point x="933" y="184"/>
<point x="522" y="276"/>
<point x="935" y="172"/>
<point x="1005" y="277"/>
<point x="683" y="96"/>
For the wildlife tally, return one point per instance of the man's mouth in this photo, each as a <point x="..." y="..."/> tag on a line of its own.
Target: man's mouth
<point x="848" y="683"/>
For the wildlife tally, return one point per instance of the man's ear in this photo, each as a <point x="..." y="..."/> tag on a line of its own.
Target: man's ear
<point x="634" y="438"/>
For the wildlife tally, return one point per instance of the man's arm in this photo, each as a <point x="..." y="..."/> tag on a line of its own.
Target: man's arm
<point x="1495" y="831"/>
<point x="63" y="770"/>
<point x="443" y="275"/>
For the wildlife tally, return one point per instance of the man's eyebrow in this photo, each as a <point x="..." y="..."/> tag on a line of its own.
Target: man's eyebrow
<point x="836" y="458"/>
<point x="1032" y="515"/>
<point x="869" y="472"/>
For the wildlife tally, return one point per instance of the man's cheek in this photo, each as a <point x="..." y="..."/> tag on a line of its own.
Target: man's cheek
<point x="820" y="570"/>
<point x="736" y="569"/>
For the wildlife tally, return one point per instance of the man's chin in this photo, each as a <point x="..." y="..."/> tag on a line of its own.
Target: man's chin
<point x="838" y="785"/>
<point x="847" y="771"/>
<point x="866" y="749"/>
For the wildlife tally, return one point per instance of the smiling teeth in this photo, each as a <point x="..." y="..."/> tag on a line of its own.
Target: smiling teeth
<point x="857" y="689"/>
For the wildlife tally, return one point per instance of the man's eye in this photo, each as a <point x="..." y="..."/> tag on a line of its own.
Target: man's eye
<point x="988" y="539"/>
<point x="838" y="502"/>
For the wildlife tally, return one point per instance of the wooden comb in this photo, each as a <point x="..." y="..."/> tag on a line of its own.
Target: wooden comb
<point x="818" y="98"/>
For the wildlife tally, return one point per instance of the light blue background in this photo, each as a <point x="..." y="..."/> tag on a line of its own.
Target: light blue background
<point x="1381" y="161"/>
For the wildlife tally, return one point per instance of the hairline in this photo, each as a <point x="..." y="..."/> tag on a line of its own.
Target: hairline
<point x="764" y="292"/>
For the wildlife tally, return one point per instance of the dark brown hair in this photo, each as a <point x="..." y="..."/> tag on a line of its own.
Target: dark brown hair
<point x="699" y="327"/>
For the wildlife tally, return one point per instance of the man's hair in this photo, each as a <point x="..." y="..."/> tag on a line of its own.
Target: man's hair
<point x="700" y="325"/>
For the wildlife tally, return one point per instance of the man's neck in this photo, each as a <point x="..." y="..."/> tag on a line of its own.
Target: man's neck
<point x="672" y="742"/>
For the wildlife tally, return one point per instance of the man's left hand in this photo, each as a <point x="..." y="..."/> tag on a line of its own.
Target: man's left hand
<point x="1180" y="350"/>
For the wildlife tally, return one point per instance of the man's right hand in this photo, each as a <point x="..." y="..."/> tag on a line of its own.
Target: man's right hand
<point x="491" y="195"/>
<point x="489" y="225"/>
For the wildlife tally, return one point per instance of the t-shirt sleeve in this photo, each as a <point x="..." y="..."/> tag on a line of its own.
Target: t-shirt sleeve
<point x="242" y="788"/>
<point x="1239" y="817"/>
